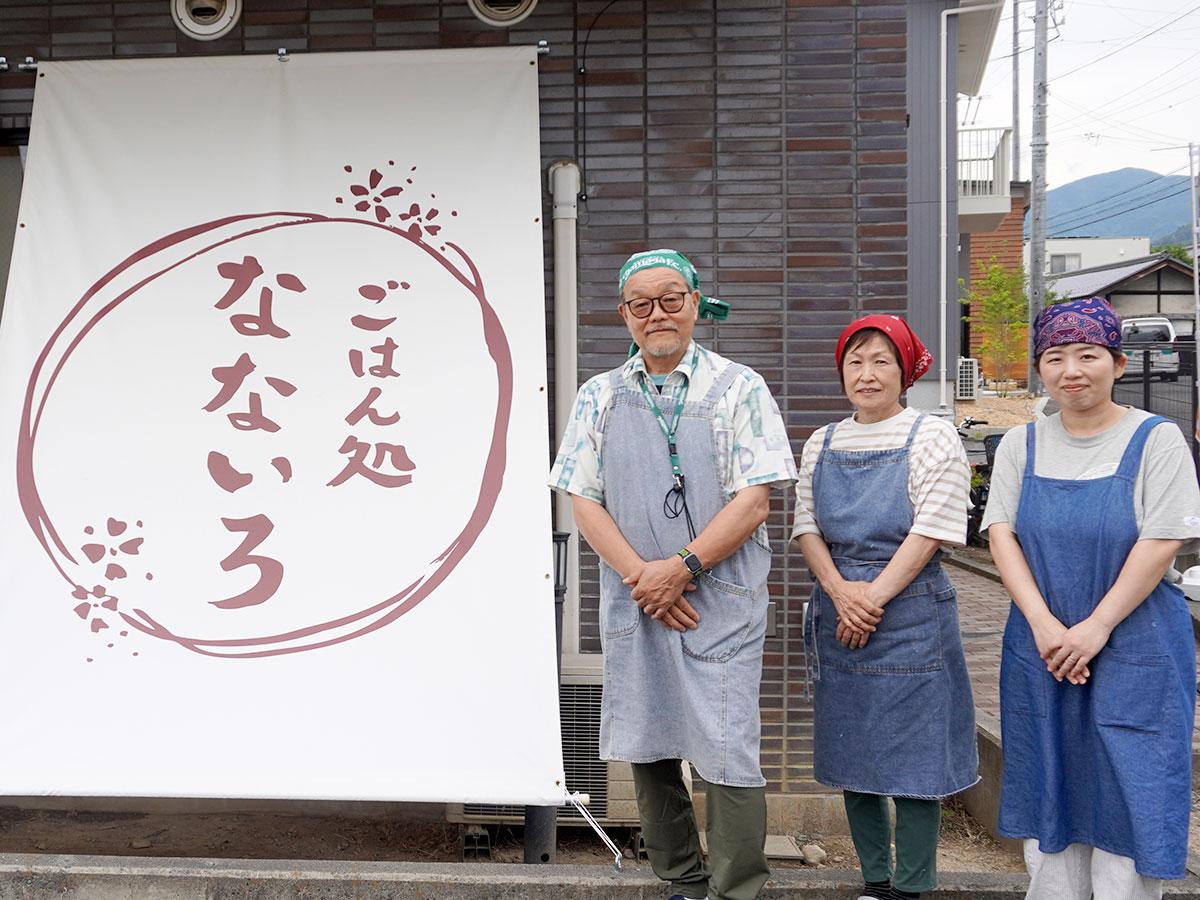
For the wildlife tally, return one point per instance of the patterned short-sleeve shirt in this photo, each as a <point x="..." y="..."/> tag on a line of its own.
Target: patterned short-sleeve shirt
<point x="759" y="451"/>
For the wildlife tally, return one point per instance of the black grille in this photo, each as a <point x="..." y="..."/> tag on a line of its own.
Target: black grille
<point x="579" y="714"/>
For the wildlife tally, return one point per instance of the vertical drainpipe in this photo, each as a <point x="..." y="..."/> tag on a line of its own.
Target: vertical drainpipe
<point x="944" y="407"/>
<point x="564" y="191"/>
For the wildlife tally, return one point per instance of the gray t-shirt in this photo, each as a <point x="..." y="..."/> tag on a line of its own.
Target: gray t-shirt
<point x="1166" y="496"/>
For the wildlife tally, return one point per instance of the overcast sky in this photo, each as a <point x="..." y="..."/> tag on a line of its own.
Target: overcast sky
<point x="1104" y="113"/>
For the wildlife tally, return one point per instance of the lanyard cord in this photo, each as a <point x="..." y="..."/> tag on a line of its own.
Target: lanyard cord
<point x="675" y="501"/>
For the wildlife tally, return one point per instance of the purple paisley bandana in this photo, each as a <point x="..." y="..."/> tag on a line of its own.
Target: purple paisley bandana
<point x="1091" y="321"/>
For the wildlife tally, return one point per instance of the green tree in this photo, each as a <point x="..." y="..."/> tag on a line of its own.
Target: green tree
<point x="999" y="313"/>
<point x="1180" y="252"/>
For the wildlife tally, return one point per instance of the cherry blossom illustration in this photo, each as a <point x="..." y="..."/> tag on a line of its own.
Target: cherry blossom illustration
<point x="371" y="196"/>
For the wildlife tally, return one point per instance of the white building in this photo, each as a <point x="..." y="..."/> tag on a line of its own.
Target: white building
<point x="1070" y="254"/>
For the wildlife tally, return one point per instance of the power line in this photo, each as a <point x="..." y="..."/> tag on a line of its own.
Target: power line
<point x="1136" y="40"/>
<point x="1123" y="211"/>
<point x="1078" y="221"/>
<point x="1159" y="193"/>
<point x="1188" y="78"/>
<point x="1135" y="132"/>
<point x="1111" y="197"/>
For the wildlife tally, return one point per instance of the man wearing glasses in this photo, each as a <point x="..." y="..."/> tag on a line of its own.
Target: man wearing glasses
<point x="669" y="460"/>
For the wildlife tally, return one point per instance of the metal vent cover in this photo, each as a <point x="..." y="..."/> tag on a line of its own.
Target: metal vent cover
<point x="501" y="13"/>
<point x="967" y="385"/>
<point x="579" y="716"/>
<point x="206" y="20"/>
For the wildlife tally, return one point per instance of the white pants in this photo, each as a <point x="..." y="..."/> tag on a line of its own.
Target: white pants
<point x="1079" y="871"/>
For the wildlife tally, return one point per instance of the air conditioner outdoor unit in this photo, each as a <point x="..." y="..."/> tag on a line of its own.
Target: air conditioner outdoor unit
<point x="967" y="385"/>
<point x="609" y="785"/>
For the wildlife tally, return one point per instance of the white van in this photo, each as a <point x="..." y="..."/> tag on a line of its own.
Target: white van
<point x="1159" y="333"/>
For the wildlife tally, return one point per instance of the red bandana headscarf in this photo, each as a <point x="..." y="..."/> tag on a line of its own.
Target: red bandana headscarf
<point x="915" y="360"/>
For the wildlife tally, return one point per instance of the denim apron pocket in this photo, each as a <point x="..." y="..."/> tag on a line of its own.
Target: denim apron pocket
<point x="726" y="611"/>
<point x="619" y="615"/>
<point x="907" y="640"/>
<point x="1028" y="679"/>
<point x="1129" y="691"/>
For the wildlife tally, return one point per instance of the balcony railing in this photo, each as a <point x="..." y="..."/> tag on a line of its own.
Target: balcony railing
<point x="984" y="166"/>
<point x="984" y="170"/>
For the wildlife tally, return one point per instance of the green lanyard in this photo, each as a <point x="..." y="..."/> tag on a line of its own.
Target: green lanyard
<point x="669" y="431"/>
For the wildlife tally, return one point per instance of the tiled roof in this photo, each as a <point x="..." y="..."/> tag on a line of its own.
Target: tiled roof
<point x="1099" y="279"/>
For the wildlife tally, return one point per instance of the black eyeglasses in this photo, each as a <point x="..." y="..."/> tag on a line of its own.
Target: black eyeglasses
<point x="671" y="302"/>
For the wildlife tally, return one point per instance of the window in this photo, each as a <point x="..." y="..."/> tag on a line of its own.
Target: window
<point x="1065" y="262"/>
<point x="1143" y="334"/>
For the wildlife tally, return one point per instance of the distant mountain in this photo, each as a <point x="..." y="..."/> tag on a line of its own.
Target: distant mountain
<point x="1181" y="235"/>
<point x="1124" y="203"/>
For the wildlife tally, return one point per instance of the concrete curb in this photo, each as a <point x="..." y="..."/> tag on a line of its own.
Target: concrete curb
<point x="25" y="877"/>
<point x="975" y="568"/>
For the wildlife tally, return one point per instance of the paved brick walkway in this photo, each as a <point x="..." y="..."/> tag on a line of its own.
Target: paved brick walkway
<point x="983" y="609"/>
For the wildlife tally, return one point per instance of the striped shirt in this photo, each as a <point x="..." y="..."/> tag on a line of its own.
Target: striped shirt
<point x="939" y="478"/>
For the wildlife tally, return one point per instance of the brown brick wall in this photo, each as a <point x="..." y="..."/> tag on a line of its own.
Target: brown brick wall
<point x="1005" y="245"/>
<point x="764" y="138"/>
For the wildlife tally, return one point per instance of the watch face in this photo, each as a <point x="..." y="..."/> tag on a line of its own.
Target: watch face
<point x="693" y="563"/>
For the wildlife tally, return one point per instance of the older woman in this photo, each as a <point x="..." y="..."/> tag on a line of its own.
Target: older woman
<point x="878" y="494"/>
<point x="1088" y="508"/>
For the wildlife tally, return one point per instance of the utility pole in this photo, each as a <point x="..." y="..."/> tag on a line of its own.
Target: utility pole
<point x="1016" y="88"/>
<point x="1194" y="179"/>
<point x="1037" y="199"/>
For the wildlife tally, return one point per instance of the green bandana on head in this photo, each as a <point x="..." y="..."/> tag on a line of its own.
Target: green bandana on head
<point x="660" y="259"/>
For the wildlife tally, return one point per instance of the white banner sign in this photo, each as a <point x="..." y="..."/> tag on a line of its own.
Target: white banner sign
<point x="273" y="433"/>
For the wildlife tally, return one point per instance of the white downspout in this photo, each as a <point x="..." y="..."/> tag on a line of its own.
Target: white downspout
<point x="564" y="189"/>
<point x="943" y="198"/>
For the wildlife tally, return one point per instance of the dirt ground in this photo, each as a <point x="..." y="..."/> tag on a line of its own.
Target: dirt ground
<point x="965" y="847"/>
<point x="1003" y="412"/>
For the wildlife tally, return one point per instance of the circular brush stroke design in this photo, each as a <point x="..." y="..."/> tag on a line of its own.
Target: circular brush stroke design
<point x="322" y="634"/>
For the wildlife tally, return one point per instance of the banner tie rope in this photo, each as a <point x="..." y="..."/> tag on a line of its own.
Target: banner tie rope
<point x="576" y="799"/>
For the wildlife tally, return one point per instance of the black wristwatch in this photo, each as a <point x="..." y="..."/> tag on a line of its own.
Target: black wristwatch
<point x="692" y="561"/>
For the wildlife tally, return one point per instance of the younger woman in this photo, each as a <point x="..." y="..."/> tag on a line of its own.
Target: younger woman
<point x="1087" y="509"/>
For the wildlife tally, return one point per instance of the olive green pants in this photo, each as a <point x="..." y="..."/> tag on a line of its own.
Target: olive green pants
<point x="917" y="825"/>
<point x="737" y="831"/>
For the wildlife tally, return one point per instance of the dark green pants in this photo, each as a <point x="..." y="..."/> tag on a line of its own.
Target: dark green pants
<point x="917" y="825"/>
<point x="737" y="831"/>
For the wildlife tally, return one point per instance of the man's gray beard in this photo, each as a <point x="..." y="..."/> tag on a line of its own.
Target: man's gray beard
<point x="660" y="352"/>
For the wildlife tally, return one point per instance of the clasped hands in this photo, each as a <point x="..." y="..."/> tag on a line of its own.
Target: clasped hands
<point x="658" y="590"/>
<point x="1067" y="651"/>
<point x="858" y="611"/>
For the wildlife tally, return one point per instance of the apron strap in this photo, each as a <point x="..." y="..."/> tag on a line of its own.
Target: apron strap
<point x="1131" y="459"/>
<point x="829" y="429"/>
<point x="1030" y="450"/>
<point x="912" y="432"/>
<point x="723" y="382"/>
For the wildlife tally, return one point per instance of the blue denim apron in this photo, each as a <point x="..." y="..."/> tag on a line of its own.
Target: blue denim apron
<point x="895" y="717"/>
<point x="1107" y="763"/>
<point x="669" y="695"/>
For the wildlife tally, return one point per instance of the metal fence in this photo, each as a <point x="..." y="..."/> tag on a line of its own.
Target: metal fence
<point x="1161" y="378"/>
